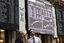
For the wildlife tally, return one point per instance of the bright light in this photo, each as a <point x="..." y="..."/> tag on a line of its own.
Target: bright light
<point x="1" y="40"/>
<point x="2" y="30"/>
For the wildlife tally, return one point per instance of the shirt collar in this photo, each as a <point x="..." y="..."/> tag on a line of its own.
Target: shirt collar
<point x="32" y="37"/>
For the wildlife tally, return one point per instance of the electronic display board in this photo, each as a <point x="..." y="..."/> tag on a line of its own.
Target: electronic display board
<point x="9" y="18"/>
<point x="40" y="17"/>
<point x="60" y="21"/>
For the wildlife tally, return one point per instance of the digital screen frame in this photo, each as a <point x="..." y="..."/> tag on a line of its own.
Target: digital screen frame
<point x="9" y="18"/>
<point x="40" y="18"/>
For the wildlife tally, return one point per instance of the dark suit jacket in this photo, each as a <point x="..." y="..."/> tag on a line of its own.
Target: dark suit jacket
<point x="19" y="40"/>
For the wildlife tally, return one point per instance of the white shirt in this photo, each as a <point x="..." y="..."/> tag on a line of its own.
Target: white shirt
<point x="37" y="40"/>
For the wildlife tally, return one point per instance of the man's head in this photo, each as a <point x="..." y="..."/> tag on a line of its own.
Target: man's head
<point x="32" y="33"/>
<point x="21" y="34"/>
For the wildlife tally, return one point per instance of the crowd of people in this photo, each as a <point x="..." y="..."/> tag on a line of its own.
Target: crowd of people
<point x="32" y="39"/>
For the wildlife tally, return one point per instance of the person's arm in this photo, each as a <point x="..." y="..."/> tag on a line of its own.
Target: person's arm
<point x="39" y="41"/>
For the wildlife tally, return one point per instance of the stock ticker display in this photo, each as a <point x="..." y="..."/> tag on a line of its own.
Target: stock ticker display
<point x="7" y="13"/>
<point x="40" y="17"/>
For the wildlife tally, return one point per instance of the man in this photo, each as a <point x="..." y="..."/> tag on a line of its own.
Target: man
<point x="33" y="38"/>
<point x="20" y="37"/>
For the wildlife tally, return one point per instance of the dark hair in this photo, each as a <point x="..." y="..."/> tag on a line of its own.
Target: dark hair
<point x="29" y="33"/>
<point x="18" y="33"/>
<point x="30" y="30"/>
